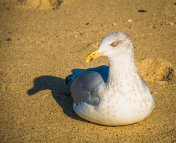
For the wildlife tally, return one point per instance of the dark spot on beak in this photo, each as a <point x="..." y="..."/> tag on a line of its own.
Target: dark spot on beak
<point x="91" y="59"/>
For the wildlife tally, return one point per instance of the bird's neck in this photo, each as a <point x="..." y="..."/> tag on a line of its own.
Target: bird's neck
<point x="123" y="76"/>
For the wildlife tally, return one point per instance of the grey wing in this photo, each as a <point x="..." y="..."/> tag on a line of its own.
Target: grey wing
<point x="87" y="88"/>
<point x="102" y="70"/>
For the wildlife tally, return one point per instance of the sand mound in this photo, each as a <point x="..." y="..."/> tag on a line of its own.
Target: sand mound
<point x="155" y="70"/>
<point x="44" y="4"/>
<point x="37" y="4"/>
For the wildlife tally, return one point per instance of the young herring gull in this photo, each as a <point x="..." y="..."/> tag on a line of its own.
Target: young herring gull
<point x="114" y="95"/>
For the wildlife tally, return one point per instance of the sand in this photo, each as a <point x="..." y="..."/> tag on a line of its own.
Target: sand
<point x="39" y="46"/>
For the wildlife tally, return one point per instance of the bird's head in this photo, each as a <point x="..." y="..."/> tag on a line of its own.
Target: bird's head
<point x="115" y="44"/>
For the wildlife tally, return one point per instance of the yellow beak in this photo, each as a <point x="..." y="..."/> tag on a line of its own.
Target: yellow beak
<point x="93" y="56"/>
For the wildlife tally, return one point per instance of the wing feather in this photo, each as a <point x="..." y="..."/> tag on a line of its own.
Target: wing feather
<point x="87" y="87"/>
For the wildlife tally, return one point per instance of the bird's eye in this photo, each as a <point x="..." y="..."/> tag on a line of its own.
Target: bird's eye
<point x="114" y="44"/>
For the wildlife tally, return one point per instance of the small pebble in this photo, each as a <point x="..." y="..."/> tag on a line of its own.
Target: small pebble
<point x="130" y="20"/>
<point x="142" y="10"/>
<point x="171" y="23"/>
<point x="81" y="32"/>
<point x="9" y="39"/>
<point x="113" y="24"/>
<point x="87" y="23"/>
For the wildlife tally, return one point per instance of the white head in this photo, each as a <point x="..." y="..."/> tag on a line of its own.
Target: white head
<point x="116" y="44"/>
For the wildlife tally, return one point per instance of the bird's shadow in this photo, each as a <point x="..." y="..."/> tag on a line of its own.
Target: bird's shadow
<point x="58" y="90"/>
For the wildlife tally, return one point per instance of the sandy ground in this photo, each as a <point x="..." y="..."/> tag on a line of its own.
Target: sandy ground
<point x="38" y="48"/>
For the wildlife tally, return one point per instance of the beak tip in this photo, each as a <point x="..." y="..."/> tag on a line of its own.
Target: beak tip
<point x="93" y="56"/>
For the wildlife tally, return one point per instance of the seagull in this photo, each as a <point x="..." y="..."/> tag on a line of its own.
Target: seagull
<point x="111" y="95"/>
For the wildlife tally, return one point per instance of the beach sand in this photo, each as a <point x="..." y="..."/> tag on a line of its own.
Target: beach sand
<point x="40" y="44"/>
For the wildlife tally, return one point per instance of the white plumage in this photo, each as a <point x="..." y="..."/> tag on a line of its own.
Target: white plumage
<point x="114" y="95"/>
